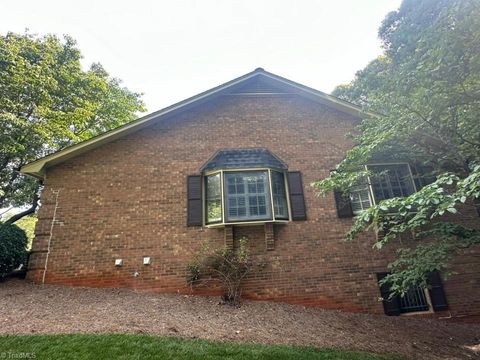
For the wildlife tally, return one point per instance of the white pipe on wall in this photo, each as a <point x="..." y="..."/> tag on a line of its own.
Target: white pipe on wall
<point x="56" y="192"/>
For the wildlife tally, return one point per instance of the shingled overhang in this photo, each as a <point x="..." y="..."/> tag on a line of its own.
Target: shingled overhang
<point x="256" y="83"/>
<point x="243" y="159"/>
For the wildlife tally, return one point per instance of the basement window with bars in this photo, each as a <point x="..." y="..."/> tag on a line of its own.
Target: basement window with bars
<point x="417" y="300"/>
<point x="414" y="300"/>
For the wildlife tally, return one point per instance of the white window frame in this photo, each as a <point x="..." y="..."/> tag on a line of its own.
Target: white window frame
<point x="266" y="196"/>
<point x="205" y="200"/>
<point x="370" y="187"/>
<point x="224" y="221"/>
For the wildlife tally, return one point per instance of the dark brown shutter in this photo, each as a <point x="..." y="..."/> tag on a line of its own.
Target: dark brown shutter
<point x="437" y="295"/>
<point x="344" y="205"/>
<point x="194" y="200"/>
<point x="476" y="203"/>
<point x="390" y="306"/>
<point x="297" y="200"/>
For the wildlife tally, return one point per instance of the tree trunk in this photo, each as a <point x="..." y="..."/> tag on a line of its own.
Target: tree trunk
<point x="30" y="210"/>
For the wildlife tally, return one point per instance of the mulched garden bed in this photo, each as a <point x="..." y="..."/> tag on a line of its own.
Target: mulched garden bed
<point x="26" y="308"/>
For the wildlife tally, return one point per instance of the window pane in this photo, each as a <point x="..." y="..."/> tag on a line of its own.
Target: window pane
<point x="389" y="181"/>
<point x="214" y="210"/>
<point x="360" y="198"/>
<point x="213" y="186"/>
<point x="247" y="195"/>
<point x="279" y="195"/>
<point x="213" y="194"/>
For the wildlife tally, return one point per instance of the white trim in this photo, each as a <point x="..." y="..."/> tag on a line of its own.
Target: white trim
<point x="371" y="195"/>
<point x="259" y="222"/>
<point x="222" y="186"/>
<point x="246" y="222"/>
<point x="388" y="164"/>
<point x="374" y="201"/>
<point x="424" y="312"/>
<point x="271" y="193"/>
<point x="411" y="176"/>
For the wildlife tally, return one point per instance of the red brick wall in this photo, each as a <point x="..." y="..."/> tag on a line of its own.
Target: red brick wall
<point x="127" y="199"/>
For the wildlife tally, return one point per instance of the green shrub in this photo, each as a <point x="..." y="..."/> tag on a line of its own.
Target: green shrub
<point x="13" y="252"/>
<point x="228" y="266"/>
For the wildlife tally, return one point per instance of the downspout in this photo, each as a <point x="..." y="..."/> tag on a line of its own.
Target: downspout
<point x="56" y="192"/>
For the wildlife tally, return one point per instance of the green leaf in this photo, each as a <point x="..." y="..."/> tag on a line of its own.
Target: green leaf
<point x="425" y="89"/>
<point x="49" y="102"/>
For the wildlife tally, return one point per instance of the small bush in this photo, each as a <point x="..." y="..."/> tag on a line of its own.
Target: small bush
<point x="13" y="252"/>
<point x="225" y="265"/>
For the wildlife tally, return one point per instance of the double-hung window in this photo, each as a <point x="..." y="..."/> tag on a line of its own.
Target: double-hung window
<point x="247" y="196"/>
<point x="390" y="181"/>
<point x="386" y="181"/>
<point x="360" y="197"/>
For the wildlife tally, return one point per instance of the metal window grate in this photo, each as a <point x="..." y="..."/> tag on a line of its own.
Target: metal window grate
<point x="414" y="300"/>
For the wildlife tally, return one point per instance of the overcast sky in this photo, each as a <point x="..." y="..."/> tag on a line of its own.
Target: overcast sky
<point x="171" y="50"/>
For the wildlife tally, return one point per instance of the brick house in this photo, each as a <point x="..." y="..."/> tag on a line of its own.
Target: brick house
<point x="132" y="207"/>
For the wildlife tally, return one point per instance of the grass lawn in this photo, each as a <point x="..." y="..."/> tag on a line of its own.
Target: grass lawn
<point x="119" y="346"/>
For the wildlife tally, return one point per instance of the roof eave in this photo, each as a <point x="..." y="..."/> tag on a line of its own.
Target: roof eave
<point x="38" y="167"/>
<point x="330" y="100"/>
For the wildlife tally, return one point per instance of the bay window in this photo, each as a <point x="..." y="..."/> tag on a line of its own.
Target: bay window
<point x="245" y="186"/>
<point x="235" y="196"/>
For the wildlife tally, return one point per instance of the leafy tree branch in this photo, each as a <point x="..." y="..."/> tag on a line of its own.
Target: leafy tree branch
<point x="425" y="89"/>
<point x="48" y="102"/>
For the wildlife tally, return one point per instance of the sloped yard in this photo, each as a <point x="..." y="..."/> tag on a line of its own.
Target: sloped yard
<point x="31" y="309"/>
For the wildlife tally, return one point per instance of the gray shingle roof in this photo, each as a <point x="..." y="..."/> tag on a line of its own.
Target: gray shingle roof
<point x="243" y="158"/>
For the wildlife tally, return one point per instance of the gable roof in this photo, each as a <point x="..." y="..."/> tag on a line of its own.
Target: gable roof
<point x="257" y="82"/>
<point x="243" y="158"/>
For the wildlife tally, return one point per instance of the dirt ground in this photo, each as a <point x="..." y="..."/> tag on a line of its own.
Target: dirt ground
<point x="27" y="309"/>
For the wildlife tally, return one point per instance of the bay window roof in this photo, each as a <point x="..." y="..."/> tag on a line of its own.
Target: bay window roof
<point x="243" y="159"/>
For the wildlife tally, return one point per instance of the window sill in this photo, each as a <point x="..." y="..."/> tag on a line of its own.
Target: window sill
<point x="246" y="223"/>
<point x="389" y="213"/>
<point x="413" y="313"/>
